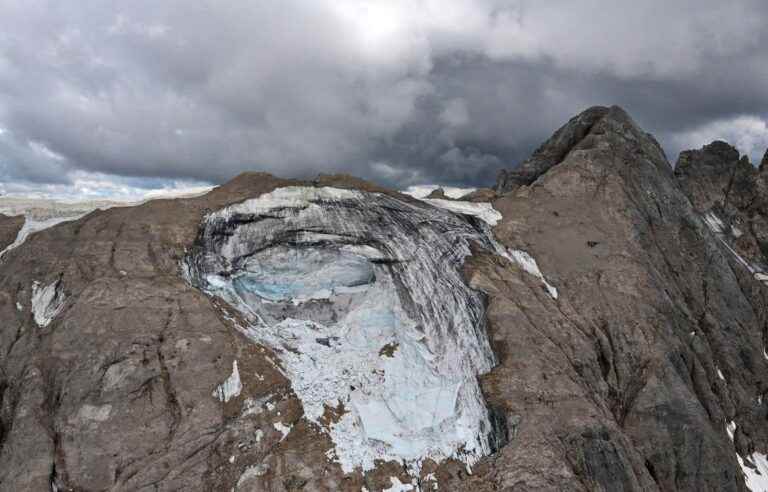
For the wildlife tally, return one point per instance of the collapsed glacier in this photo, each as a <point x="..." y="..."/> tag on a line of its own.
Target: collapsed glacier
<point x="361" y="295"/>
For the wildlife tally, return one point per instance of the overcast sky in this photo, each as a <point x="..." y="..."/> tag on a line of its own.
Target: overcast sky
<point x="101" y="97"/>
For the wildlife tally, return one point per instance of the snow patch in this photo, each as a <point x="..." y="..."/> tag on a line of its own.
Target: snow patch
<point x="431" y="477"/>
<point x="755" y="469"/>
<point x="398" y="486"/>
<point x="738" y="257"/>
<point x="253" y="407"/>
<point x="714" y="223"/>
<point x="730" y="428"/>
<point x="529" y="264"/>
<point x="283" y="429"/>
<point x="31" y="226"/>
<point x="47" y="302"/>
<point x="483" y="210"/>
<point x="720" y="374"/>
<point x="231" y="387"/>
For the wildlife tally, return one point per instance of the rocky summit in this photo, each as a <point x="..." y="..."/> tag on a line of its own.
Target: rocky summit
<point x="597" y="321"/>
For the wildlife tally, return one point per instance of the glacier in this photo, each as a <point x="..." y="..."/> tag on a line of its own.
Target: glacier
<point x="362" y="297"/>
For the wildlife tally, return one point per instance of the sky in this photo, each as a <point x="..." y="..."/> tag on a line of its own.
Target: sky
<point x="102" y="98"/>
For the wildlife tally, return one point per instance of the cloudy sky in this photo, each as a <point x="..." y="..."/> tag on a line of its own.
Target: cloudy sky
<point x="106" y="98"/>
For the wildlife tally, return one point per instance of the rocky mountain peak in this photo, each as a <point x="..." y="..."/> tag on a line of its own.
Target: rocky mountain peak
<point x="726" y="188"/>
<point x="596" y="127"/>
<point x="438" y="193"/>
<point x="716" y="173"/>
<point x="716" y="158"/>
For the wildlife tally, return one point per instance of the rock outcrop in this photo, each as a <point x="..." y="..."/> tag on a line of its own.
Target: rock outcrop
<point x="9" y="229"/>
<point x="552" y="152"/>
<point x="656" y="343"/>
<point x="607" y="333"/>
<point x="480" y="195"/>
<point x="438" y="193"/>
<point x="733" y="196"/>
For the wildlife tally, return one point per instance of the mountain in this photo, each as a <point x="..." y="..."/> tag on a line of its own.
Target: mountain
<point x="9" y="229"/>
<point x="599" y="325"/>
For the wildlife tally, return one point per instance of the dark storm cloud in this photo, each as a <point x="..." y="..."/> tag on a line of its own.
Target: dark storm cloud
<point x="400" y="92"/>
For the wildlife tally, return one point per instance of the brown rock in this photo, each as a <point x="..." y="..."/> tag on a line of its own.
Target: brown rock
<point x="9" y="228"/>
<point x="438" y="193"/>
<point x="614" y="385"/>
<point x="617" y="381"/>
<point x="480" y="195"/>
<point x="551" y="152"/>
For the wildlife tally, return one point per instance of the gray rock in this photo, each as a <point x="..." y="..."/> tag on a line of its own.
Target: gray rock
<point x="552" y="152"/>
<point x="618" y="383"/>
<point x="615" y="384"/>
<point x="9" y="228"/>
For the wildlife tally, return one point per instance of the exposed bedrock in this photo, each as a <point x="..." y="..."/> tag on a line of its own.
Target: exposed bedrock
<point x="9" y="228"/>
<point x="282" y="335"/>
<point x="656" y="346"/>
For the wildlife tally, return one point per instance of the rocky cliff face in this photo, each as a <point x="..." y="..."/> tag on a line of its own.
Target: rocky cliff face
<point x="9" y="229"/>
<point x="599" y="326"/>
<point x="732" y="195"/>
<point x="658" y="338"/>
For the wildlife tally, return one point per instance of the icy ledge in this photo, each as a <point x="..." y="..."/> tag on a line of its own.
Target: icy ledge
<point x="529" y="264"/>
<point x="482" y="210"/>
<point x="361" y="296"/>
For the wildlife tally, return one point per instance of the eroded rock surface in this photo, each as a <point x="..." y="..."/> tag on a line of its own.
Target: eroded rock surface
<point x="656" y="344"/>
<point x="607" y="333"/>
<point x="732" y="195"/>
<point x="9" y="228"/>
<point x="551" y="152"/>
